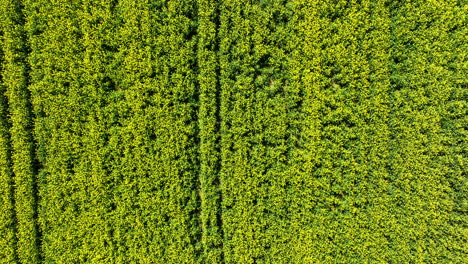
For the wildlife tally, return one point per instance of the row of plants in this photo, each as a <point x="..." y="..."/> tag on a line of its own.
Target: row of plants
<point x="235" y="131"/>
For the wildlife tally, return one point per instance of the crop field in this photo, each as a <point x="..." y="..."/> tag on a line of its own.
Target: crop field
<point x="233" y="131"/>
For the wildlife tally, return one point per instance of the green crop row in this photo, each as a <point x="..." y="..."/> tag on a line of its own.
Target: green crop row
<point x="260" y="107"/>
<point x="114" y="94"/>
<point x="7" y="207"/>
<point x="19" y="167"/>
<point x="427" y="64"/>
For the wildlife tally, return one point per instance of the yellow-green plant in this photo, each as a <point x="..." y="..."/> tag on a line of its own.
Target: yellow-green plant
<point x="233" y="131"/>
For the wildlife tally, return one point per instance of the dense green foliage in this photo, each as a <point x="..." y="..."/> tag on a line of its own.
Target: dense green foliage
<point x="233" y="131"/>
<point x="20" y="144"/>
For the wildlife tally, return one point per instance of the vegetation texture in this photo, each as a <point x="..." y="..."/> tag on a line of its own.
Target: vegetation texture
<point x="233" y="131"/>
